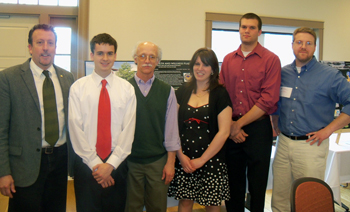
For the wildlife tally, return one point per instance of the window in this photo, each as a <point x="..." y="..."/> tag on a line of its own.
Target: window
<point x="59" y="17"/>
<point x="278" y="39"/>
<point x="222" y="31"/>
<point x="281" y="45"/>
<point x="224" y="42"/>
<point x="71" y="3"/>
<point x="63" y="50"/>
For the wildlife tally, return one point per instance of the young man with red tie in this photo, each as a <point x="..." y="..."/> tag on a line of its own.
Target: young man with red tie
<point x="102" y="114"/>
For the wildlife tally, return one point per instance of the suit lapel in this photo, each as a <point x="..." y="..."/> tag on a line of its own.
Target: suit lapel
<point x="28" y="79"/>
<point x="65" y="84"/>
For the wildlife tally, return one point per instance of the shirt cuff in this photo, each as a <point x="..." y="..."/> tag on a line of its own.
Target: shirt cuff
<point x="117" y="157"/>
<point x="171" y="148"/>
<point x="94" y="162"/>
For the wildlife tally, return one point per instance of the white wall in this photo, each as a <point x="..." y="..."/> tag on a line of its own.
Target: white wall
<point x="178" y="26"/>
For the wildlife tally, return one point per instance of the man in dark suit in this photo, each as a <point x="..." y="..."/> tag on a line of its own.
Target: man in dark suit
<point x="34" y="155"/>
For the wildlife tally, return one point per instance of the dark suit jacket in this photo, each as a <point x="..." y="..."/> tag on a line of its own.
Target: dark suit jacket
<point x="20" y="122"/>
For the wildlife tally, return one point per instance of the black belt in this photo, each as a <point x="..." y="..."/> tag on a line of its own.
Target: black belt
<point x="303" y="137"/>
<point x="259" y="119"/>
<point x="49" y="150"/>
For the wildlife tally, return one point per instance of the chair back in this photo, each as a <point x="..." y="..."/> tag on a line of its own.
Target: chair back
<point x="310" y="194"/>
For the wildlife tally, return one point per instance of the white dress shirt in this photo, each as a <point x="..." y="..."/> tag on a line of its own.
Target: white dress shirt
<point x="83" y="113"/>
<point x="39" y="78"/>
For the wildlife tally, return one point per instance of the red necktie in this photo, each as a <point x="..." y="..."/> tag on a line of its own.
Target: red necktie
<point x="104" y="140"/>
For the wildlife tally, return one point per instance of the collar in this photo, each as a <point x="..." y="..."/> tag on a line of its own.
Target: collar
<point x="140" y="81"/>
<point x="97" y="78"/>
<point x="37" y="71"/>
<point x="258" y="50"/>
<point x="308" y="66"/>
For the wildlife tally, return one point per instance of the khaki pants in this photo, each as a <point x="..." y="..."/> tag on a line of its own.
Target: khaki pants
<point x="146" y="188"/>
<point x="293" y="160"/>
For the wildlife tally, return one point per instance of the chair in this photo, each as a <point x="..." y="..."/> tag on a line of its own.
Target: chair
<point x="310" y="194"/>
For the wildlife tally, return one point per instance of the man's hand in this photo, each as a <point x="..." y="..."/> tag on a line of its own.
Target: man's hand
<point x="109" y="182"/>
<point x="338" y="123"/>
<point x="102" y="173"/>
<point x="318" y="136"/>
<point x="168" y="172"/>
<point x="240" y="137"/>
<point x="274" y="121"/>
<point x="236" y="133"/>
<point x="7" y="186"/>
<point x="235" y="129"/>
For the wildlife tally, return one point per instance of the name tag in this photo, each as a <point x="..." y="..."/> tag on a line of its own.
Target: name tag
<point x="285" y="92"/>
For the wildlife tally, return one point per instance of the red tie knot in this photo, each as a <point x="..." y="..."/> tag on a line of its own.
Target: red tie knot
<point x="104" y="82"/>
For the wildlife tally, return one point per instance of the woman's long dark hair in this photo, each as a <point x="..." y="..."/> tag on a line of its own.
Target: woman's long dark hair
<point x="208" y="57"/>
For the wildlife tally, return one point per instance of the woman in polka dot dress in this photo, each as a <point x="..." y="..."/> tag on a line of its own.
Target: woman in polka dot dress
<point x="204" y="125"/>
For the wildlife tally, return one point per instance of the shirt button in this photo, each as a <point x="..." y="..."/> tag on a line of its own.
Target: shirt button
<point x="293" y="110"/>
<point x="241" y="91"/>
<point x="298" y="76"/>
<point x="294" y="99"/>
<point x="240" y="114"/>
<point x="296" y="87"/>
<point x="38" y="128"/>
<point x="292" y="133"/>
<point x="242" y="69"/>
<point x="38" y="150"/>
<point x="291" y="122"/>
<point x="241" y="80"/>
<point x="240" y="102"/>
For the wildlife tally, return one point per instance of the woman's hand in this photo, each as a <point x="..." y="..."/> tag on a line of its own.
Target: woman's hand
<point x="185" y="163"/>
<point x="197" y="163"/>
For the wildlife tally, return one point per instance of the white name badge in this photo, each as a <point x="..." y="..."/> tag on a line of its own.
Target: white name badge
<point x="285" y="92"/>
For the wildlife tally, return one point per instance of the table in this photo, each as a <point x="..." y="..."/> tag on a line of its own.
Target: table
<point x="338" y="167"/>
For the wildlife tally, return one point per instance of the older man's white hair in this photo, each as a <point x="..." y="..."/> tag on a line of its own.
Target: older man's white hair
<point x="159" y="50"/>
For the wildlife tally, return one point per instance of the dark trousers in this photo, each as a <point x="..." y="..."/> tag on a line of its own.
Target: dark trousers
<point x="91" y="197"/>
<point x="250" y="159"/>
<point x="49" y="191"/>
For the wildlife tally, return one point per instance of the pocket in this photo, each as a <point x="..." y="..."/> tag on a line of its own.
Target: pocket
<point x="15" y="150"/>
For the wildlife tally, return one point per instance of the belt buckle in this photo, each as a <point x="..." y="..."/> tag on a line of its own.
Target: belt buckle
<point x="48" y="150"/>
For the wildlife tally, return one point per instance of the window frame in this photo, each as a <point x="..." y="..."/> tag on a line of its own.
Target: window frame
<point x="45" y="13"/>
<point x="318" y="26"/>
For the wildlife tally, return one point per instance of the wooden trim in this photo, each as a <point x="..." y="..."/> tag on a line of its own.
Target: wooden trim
<point x="20" y="9"/>
<point x="266" y="20"/>
<point x="45" y="13"/>
<point x="320" y="40"/>
<point x="222" y="17"/>
<point x="83" y="36"/>
<point x="208" y="28"/>
<point x="71" y="22"/>
<point x="318" y="26"/>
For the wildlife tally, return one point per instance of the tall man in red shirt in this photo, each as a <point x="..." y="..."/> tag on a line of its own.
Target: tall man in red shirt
<point x="252" y="76"/>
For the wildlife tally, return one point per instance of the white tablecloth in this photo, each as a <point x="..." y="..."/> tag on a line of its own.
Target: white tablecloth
<point x="338" y="164"/>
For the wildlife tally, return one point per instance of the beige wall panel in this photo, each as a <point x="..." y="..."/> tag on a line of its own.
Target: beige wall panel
<point x="179" y="26"/>
<point x="14" y="39"/>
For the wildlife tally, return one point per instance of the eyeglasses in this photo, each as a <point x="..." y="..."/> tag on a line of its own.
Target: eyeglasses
<point x="301" y="43"/>
<point x="143" y="57"/>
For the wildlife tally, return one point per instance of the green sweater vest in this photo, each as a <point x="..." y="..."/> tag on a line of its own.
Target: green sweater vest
<point x="150" y="123"/>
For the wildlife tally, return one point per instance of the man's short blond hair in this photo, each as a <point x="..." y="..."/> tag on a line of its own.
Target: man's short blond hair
<point x="304" y="30"/>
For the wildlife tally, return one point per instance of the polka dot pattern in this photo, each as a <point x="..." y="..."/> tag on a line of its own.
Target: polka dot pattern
<point x="208" y="185"/>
